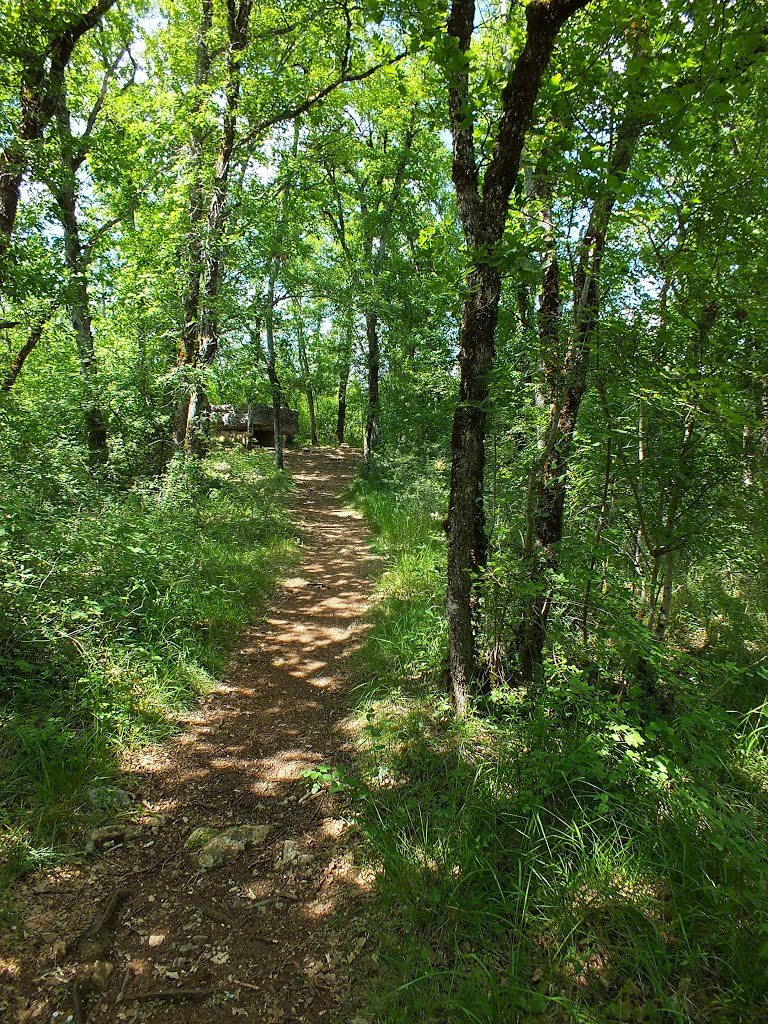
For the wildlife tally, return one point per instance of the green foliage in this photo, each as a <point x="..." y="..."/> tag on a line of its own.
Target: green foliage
<point x="581" y="851"/>
<point x="117" y="609"/>
<point x="335" y="778"/>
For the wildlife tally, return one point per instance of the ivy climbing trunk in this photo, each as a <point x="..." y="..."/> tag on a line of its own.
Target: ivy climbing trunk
<point x="562" y="385"/>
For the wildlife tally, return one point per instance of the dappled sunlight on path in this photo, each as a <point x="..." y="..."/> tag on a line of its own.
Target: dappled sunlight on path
<point x="258" y="936"/>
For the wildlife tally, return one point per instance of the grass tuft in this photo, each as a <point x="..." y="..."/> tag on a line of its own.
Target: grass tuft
<point x="116" y="612"/>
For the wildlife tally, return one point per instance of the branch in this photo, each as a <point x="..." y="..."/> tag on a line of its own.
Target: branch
<point x="290" y="113"/>
<point x="108" y="76"/>
<point x="17" y="364"/>
<point x="464" y="170"/>
<point x="101" y="231"/>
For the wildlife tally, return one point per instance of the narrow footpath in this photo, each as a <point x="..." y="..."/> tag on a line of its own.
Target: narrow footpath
<point x="232" y="892"/>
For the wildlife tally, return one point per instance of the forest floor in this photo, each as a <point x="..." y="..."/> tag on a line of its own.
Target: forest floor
<point x="138" y="929"/>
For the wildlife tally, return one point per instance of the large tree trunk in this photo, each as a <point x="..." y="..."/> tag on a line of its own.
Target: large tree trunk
<point x="465" y="526"/>
<point x="483" y="219"/>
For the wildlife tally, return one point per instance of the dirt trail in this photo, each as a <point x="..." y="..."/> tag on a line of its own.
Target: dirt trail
<point x="275" y="933"/>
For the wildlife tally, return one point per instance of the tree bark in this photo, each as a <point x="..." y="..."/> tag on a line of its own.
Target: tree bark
<point x="598" y="534"/>
<point x="375" y="251"/>
<point x="17" y="364"/>
<point x="273" y="268"/>
<point x="76" y="293"/>
<point x="77" y="297"/>
<point x="345" y="366"/>
<point x="274" y="378"/>
<point x="207" y="341"/>
<point x="373" y="357"/>
<point x="306" y="374"/>
<point x="483" y="216"/>
<point x="43" y="81"/>
<point x="562" y="387"/>
<point x="194" y="250"/>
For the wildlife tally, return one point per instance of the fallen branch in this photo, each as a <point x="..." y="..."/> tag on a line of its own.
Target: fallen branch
<point x="214" y="914"/>
<point x="192" y="994"/>
<point x="245" y="984"/>
<point x="103" y="918"/>
<point x="78" y="1005"/>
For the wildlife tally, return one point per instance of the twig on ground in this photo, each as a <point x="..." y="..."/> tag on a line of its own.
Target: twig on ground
<point x="78" y="1003"/>
<point x="192" y="994"/>
<point x="214" y="914"/>
<point x="103" y="918"/>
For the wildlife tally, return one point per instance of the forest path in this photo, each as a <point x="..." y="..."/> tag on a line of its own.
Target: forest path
<point x="273" y="934"/>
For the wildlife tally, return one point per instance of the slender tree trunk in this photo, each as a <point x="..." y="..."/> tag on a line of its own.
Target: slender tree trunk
<point x="564" y="385"/>
<point x="345" y="367"/>
<point x="78" y="301"/>
<point x="312" y="417"/>
<point x="601" y="520"/>
<point x="194" y="249"/>
<point x="306" y="373"/>
<point x="13" y="162"/>
<point x="341" y="415"/>
<point x="376" y="264"/>
<point x="762" y="406"/>
<point x="43" y="83"/>
<point x="665" y="607"/>
<point x="372" y="428"/>
<point x="17" y="364"/>
<point x="269" y="317"/>
<point x="207" y="342"/>
<point x="274" y="378"/>
<point x="76" y="293"/>
<point x="653" y="592"/>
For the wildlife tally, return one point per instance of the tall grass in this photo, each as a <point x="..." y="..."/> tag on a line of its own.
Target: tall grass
<point x="562" y="855"/>
<point x="117" y="609"/>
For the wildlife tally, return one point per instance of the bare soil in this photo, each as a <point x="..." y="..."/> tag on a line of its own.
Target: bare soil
<point x="137" y="930"/>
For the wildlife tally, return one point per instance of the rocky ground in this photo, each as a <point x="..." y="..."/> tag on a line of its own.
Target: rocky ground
<point x="223" y="887"/>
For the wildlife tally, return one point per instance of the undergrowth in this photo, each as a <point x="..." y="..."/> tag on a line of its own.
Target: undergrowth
<point x="117" y="609"/>
<point x="561" y="855"/>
